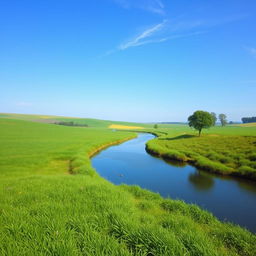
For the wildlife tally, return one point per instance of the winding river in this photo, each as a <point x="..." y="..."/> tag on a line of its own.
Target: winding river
<point x="229" y="199"/>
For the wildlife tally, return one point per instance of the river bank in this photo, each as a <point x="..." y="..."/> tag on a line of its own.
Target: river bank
<point x="129" y="163"/>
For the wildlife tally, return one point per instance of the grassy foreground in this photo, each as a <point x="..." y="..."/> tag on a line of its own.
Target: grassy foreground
<point x="222" y="150"/>
<point x="44" y="210"/>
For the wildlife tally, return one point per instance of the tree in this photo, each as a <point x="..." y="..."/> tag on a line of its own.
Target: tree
<point x="200" y="120"/>
<point x="155" y="126"/>
<point x="214" y="118"/>
<point x="249" y="119"/>
<point x="223" y="119"/>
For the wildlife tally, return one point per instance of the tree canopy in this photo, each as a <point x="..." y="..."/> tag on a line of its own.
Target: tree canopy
<point x="223" y="119"/>
<point x="214" y="118"/>
<point x="249" y="119"/>
<point x="200" y="120"/>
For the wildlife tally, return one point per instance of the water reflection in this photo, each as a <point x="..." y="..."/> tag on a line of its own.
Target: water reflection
<point x="201" y="181"/>
<point x="176" y="163"/>
<point x="248" y="186"/>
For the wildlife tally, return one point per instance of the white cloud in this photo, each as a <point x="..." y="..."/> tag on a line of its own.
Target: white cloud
<point x="170" y="29"/>
<point x="160" y="33"/>
<point x="161" y="40"/>
<point x="140" y="39"/>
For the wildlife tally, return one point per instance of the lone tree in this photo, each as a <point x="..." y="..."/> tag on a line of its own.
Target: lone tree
<point x="223" y="119"/>
<point x="199" y="120"/>
<point x="155" y="126"/>
<point x="214" y="118"/>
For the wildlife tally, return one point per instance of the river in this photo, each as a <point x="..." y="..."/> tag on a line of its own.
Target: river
<point x="230" y="199"/>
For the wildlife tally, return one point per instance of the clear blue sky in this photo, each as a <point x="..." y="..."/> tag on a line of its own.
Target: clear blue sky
<point x="134" y="60"/>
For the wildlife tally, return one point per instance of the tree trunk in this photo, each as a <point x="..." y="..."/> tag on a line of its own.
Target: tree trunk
<point x="200" y="132"/>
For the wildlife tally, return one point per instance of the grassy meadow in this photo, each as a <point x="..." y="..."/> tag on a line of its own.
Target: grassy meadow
<point x="52" y="202"/>
<point x="229" y="150"/>
<point x="91" y="122"/>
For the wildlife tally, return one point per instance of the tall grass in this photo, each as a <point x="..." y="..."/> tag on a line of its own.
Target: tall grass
<point x="44" y="210"/>
<point x="217" y="153"/>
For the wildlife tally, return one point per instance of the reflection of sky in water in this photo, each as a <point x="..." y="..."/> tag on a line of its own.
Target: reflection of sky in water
<point x="227" y="198"/>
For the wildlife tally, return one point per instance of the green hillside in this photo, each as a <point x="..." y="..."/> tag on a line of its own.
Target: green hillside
<point x="52" y="119"/>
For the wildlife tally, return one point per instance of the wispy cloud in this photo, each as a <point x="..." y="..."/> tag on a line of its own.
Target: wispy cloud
<point x="164" y="39"/>
<point x="154" y="6"/>
<point x="180" y="27"/>
<point x="159" y="33"/>
<point x="162" y="32"/>
<point x="140" y="39"/>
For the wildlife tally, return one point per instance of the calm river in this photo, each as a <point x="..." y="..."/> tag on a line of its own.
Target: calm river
<point x="229" y="199"/>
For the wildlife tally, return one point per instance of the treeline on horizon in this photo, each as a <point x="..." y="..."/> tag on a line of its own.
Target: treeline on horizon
<point x="71" y="124"/>
<point x="249" y="119"/>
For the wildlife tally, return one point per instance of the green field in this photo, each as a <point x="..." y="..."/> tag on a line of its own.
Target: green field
<point x="227" y="150"/>
<point x="91" y="122"/>
<point x="52" y="202"/>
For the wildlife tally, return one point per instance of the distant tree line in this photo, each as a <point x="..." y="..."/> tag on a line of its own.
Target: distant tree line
<point x="249" y="119"/>
<point x="222" y="118"/>
<point x="71" y="124"/>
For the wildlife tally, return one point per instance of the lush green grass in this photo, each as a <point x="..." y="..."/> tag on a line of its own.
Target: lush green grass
<point x="25" y="145"/>
<point x="44" y="210"/>
<point x="224" y="150"/>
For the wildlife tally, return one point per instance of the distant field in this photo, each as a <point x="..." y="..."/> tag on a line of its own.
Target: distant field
<point x="89" y="121"/>
<point x="248" y="125"/>
<point x="125" y="127"/>
<point x="44" y="210"/>
<point x="229" y="130"/>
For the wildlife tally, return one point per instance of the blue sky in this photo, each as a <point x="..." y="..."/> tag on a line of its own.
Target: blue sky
<point x="133" y="60"/>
